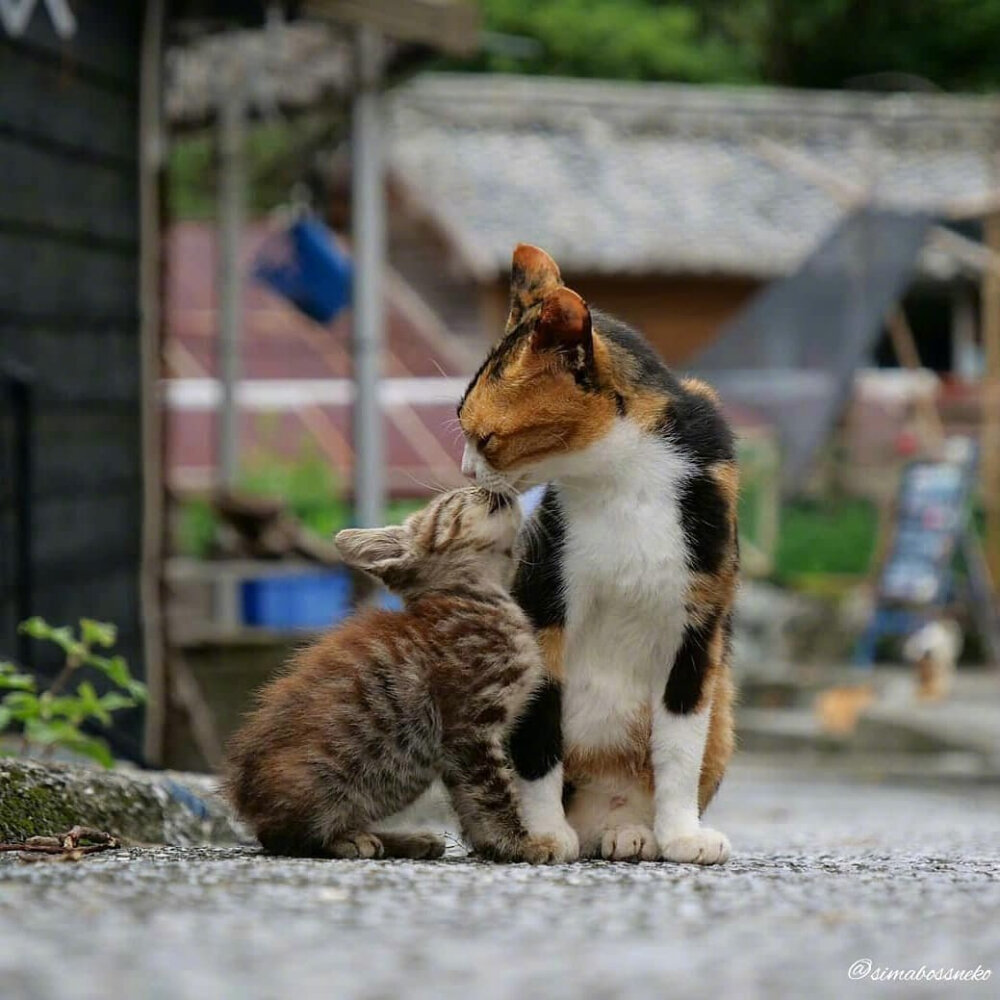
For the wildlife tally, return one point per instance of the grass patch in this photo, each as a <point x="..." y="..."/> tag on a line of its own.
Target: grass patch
<point x="826" y="537"/>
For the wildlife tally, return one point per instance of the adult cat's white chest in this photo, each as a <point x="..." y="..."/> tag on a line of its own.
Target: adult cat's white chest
<point x="626" y="581"/>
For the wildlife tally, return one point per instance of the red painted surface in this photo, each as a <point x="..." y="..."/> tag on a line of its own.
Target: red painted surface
<point x="421" y="444"/>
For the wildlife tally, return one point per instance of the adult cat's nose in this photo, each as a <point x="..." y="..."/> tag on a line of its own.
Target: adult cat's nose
<point x="469" y="460"/>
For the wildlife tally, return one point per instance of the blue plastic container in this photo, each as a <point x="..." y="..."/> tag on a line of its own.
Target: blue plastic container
<point x="305" y="265"/>
<point x="313" y="600"/>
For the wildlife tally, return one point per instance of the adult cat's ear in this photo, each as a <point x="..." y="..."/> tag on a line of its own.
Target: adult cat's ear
<point x="378" y="551"/>
<point x="533" y="274"/>
<point x="564" y="325"/>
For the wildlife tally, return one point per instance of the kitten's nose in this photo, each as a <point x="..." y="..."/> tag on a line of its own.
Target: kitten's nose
<point x="469" y="460"/>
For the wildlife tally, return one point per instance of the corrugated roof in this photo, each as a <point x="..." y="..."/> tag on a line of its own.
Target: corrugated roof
<point x="664" y="178"/>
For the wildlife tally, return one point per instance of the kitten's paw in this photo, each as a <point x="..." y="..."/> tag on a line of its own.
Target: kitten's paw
<point x="703" y="846"/>
<point x="412" y="845"/>
<point x="629" y="843"/>
<point x="356" y="845"/>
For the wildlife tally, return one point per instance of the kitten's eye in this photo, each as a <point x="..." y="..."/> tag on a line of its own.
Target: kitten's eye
<point x="484" y="440"/>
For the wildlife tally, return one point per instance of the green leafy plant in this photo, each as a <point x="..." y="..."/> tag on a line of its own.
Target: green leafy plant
<point x="303" y="481"/>
<point x="53" y="717"/>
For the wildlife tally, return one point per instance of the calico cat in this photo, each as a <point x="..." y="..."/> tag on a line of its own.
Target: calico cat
<point x="630" y="573"/>
<point x="368" y="716"/>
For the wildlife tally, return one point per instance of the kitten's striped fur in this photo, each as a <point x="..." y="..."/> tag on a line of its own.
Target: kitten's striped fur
<point x="631" y="570"/>
<point x="367" y="717"/>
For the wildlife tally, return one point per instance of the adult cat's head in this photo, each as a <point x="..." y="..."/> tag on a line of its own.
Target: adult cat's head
<point x="552" y="389"/>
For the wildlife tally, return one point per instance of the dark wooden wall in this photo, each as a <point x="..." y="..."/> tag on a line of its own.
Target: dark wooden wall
<point x="69" y="260"/>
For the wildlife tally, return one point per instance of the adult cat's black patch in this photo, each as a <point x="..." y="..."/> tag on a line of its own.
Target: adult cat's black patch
<point x="651" y="372"/>
<point x="695" y="425"/>
<point x="535" y="743"/>
<point x="683" y="690"/>
<point x="706" y="523"/>
<point x="538" y="586"/>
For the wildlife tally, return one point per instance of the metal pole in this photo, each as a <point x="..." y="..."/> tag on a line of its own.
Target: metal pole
<point x="231" y="200"/>
<point x="368" y="224"/>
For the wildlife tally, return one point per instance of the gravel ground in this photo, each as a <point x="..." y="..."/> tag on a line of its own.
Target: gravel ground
<point x="827" y="871"/>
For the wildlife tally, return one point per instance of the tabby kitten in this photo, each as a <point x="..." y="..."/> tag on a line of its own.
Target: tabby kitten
<point x="630" y="574"/>
<point x="367" y="717"/>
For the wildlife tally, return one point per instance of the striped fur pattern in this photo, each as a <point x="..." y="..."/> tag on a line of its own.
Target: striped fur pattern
<point x="630" y="570"/>
<point x="368" y="716"/>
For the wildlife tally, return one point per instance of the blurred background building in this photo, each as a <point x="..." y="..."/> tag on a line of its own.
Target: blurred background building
<point x="193" y="401"/>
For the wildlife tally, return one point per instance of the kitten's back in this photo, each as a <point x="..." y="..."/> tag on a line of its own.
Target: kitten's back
<point x="349" y="727"/>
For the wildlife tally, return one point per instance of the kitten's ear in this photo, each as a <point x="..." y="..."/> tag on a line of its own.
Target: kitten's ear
<point x="378" y="551"/>
<point x="533" y="274"/>
<point x="564" y="325"/>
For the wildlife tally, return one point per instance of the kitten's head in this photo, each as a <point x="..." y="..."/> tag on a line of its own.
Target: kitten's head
<point x="542" y="394"/>
<point x="466" y="537"/>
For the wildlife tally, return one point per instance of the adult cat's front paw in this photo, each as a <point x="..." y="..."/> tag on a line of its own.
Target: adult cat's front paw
<point x="629" y="843"/>
<point x="702" y="846"/>
<point x="561" y="843"/>
<point x="548" y="849"/>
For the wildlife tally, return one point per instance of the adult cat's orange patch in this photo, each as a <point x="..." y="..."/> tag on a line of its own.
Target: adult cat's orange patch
<point x="721" y="741"/>
<point x="699" y="388"/>
<point x="531" y="409"/>
<point x="552" y="643"/>
<point x="727" y="478"/>
<point x="630" y="758"/>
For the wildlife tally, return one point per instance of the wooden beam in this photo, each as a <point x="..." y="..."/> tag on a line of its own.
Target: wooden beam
<point x="905" y="346"/>
<point x="448" y="25"/>
<point x="989" y="458"/>
<point x="850" y="195"/>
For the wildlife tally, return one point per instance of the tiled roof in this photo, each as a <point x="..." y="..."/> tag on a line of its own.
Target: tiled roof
<point x="662" y="178"/>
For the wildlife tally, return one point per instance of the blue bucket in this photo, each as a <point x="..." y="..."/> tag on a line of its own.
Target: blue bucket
<point x="305" y="266"/>
<point x="310" y="601"/>
<point x="313" y="600"/>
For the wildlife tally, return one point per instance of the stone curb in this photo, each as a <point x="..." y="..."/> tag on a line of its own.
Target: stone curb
<point x="158" y="807"/>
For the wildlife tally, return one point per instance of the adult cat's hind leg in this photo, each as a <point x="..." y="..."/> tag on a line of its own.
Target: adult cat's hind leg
<point x="614" y="818"/>
<point x="411" y="845"/>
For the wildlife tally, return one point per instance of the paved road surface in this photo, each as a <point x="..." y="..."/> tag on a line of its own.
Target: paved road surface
<point x="826" y="872"/>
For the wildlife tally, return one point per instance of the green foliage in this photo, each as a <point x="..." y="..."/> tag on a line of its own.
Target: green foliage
<point x="822" y="43"/>
<point x="275" y="154"/>
<point x="826" y="537"/>
<point x="951" y="43"/>
<point x="49" y="718"/>
<point x="305" y="483"/>
<point x="621" y="39"/>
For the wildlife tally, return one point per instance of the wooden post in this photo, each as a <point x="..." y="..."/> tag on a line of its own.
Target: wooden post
<point x="990" y="451"/>
<point x="905" y="347"/>
<point x="151" y="150"/>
